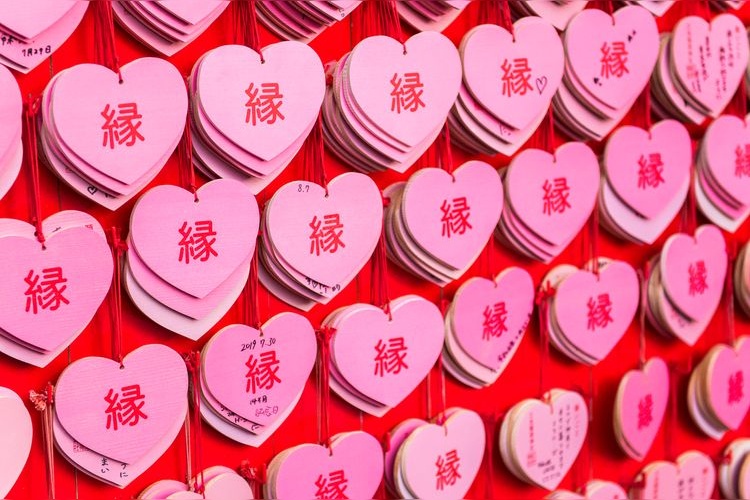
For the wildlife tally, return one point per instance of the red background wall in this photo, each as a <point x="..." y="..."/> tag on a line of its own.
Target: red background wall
<point x="520" y="380"/>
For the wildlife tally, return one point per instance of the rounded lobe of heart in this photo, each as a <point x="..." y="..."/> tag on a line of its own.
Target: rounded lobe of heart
<point x="687" y="259"/>
<point x="231" y="75"/>
<point x="478" y="298"/>
<point x="659" y="481"/>
<point x="75" y="267"/>
<point x="578" y="293"/>
<point x="463" y="433"/>
<point x="358" y="454"/>
<point x="689" y="37"/>
<point x="639" y="388"/>
<point x="89" y="387"/>
<point x="228" y="485"/>
<point x="355" y="347"/>
<point x="593" y="34"/>
<point x="490" y="54"/>
<point x="15" y="439"/>
<point x="696" y="476"/>
<point x="87" y="95"/>
<point x="192" y="11"/>
<point x="11" y="108"/>
<point x="380" y="65"/>
<point x="298" y="207"/>
<point x="232" y="352"/>
<point x="723" y="138"/>
<point x="432" y="194"/>
<point x="535" y="175"/>
<point x="31" y="18"/>
<point x="533" y="437"/>
<point x="165" y="224"/>
<point x="605" y="490"/>
<point x="396" y="438"/>
<point x="631" y="150"/>
<point x="557" y="13"/>
<point x="729" y="368"/>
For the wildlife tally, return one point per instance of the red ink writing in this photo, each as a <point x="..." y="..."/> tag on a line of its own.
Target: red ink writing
<point x="697" y="281"/>
<point x="46" y="291"/>
<point x="326" y="234"/>
<point x="493" y="325"/>
<point x="455" y="217"/>
<point x="125" y="407"/>
<point x="197" y="241"/>
<point x="599" y="312"/>
<point x="516" y="77"/>
<point x="264" y="104"/>
<point x="614" y="60"/>
<point x="333" y="486"/>
<point x="390" y="356"/>
<point x="736" y="389"/>
<point x="121" y="125"/>
<point x="556" y="194"/>
<point x="645" y="411"/>
<point x="262" y="372"/>
<point x="650" y="171"/>
<point x="447" y="470"/>
<point x="406" y="94"/>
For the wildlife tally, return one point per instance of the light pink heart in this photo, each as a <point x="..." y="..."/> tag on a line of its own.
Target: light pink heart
<point x="461" y="437"/>
<point x="696" y="476"/>
<point x="363" y="334"/>
<point x="11" y="109"/>
<point x="241" y="365"/>
<point x="82" y="94"/>
<point x="642" y="401"/>
<point x="535" y="175"/>
<point x="33" y="17"/>
<point x="697" y="51"/>
<point x="224" y="83"/>
<point x="15" y="440"/>
<point x="557" y="13"/>
<point x="87" y="389"/>
<point x="511" y="296"/>
<point x="430" y="199"/>
<point x="648" y="169"/>
<point x="726" y="382"/>
<point x="593" y="40"/>
<point x="167" y="216"/>
<point x="492" y="57"/>
<point x="724" y="144"/>
<point x="357" y="456"/>
<point x="36" y="305"/>
<point x="191" y="11"/>
<point x="375" y="61"/>
<point x="657" y="480"/>
<point x="357" y="202"/>
<point x="693" y="270"/>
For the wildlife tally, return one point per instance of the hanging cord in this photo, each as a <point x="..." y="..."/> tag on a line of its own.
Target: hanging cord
<point x="324" y="336"/>
<point x="104" y="36"/>
<point x="245" y="25"/>
<point x="313" y="156"/>
<point x="255" y="476"/>
<point x="31" y="113"/>
<point x="379" y="295"/>
<point x="119" y="247"/>
<point x="194" y="428"/>
<point x="44" y="402"/>
<point x="545" y="294"/>
<point x="185" y="155"/>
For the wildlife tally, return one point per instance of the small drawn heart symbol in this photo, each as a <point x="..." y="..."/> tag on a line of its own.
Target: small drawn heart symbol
<point x="92" y="189"/>
<point x="541" y="84"/>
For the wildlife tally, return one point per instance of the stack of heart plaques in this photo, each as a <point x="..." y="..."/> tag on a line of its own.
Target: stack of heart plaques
<point x="108" y="138"/>
<point x="646" y="179"/>
<point x="189" y="254"/>
<point x="438" y="222"/>
<point x="251" y="379"/>
<point x="540" y="440"/>
<point x="167" y="26"/>
<point x="52" y="290"/>
<point x="717" y="399"/>
<point x="548" y="199"/>
<point x="609" y="60"/>
<point x="734" y="469"/>
<point x="722" y="180"/>
<point x="350" y="465"/>
<point x="691" y="477"/>
<point x="485" y="324"/>
<point x="686" y="283"/>
<point x="31" y="31"/>
<point x="379" y="357"/>
<point x="742" y="279"/>
<point x="685" y="85"/>
<point x="430" y="15"/>
<point x="214" y="482"/>
<point x="530" y="64"/>
<point x="11" y="147"/>
<point x="15" y="438"/>
<point x="303" y="21"/>
<point x="315" y="239"/>
<point x="438" y="459"/>
<point x="251" y="112"/>
<point x="389" y="101"/>
<point x="596" y="489"/>
<point x="590" y="311"/>
<point x="112" y="419"/>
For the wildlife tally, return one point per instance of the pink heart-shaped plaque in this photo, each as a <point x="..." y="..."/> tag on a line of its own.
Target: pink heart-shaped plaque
<point x="693" y="269"/>
<point x="729" y="368"/>
<point x="121" y="129"/>
<point x="612" y="56"/>
<point x="641" y="403"/>
<point x="492" y="57"/>
<point x="195" y="245"/>
<point x="432" y="194"/>
<point x="553" y="195"/>
<point x="123" y="411"/>
<point x="31" y="18"/>
<point x="381" y="69"/>
<point x="191" y="11"/>
<point x="363" y="334"/>
<point x="557" y="13"/>
<point x="242" y="366"/>
<point x="15" y="439"/>
<point x="724" y="146"/>
<point x="579" y="296"/>
<point x="511" y="296"/>
<point x="648" y="169"/>
<point x="354" y="457"/>
<point x="696" y="476"/>
<point x="656" y="480"/>
<point x="460" y="441"/>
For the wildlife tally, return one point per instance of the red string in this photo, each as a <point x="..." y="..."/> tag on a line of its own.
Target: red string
<point x="490" y="422"/>
<point x="443" y="150"/>
<point x="496" y="12"/>
<point x="739" y="104"/>
<point x="245" y="26"/>
<point x="185" y="157"/>
<point x="593" y="240"/>
<point x="44" y="402"/>
<point x="642" y="111"/>
<point x="324" y="391"/>
<point x="104" y="36"/>
<point x="729" y="292"/>
<point x="193" y="363"/>
<point x="255" y="476"/>
<point x="605" y="5"/>
<point x="688" y="218"/>
<point x="119" y="248"/>
<point x="544" y="137"/>
<point x="251" y="301"/>
<point x="543" y="297"/>
<point x="669" y="431"/>
<point x="377" y="17"/>
<point x="31" y="110"/>
<point x="645" y="275"/>
<point x="313" y="156"/>
<point x="379" y="294"/>
<point x="441" y="389"/>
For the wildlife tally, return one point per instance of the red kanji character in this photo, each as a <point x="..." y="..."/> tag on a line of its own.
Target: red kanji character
<point x="614" y="60"/>
<point x="333" y="486"/>
<point x="556" y="195"/>
<point x="455" y="217"/>
<point x="494" y="321"/>
<point x="698" y="279"/>
<point x="197" y="241"/>
<point x="600" y="312"/>
<point x="266" y="107"/>
<point x="447" y="470"/>
<point x="516" y="77"/>
<point x="389" y="357"/>
<point x="650" y="171"/>
<point x="45" y="292"/>
<point x="121" y="125"/>
<point x="407" y="93"/>
<point x="326" y="234"/>
<point x="262" y="373"/>
<point x="125" y="408"/>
